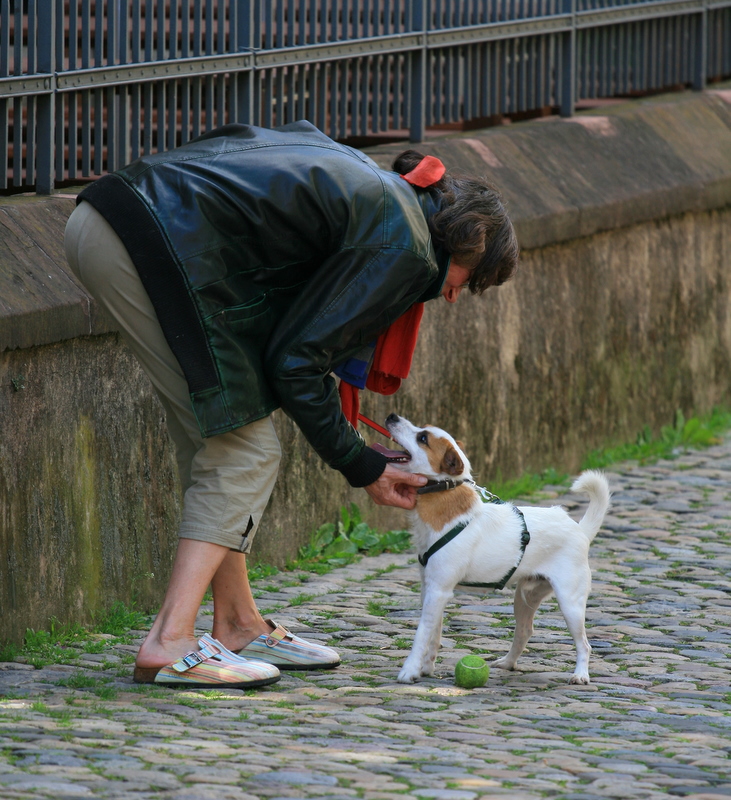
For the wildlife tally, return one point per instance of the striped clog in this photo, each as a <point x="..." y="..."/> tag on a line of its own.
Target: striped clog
<point x="287" y="651"/>
<point x="213" y="666"/>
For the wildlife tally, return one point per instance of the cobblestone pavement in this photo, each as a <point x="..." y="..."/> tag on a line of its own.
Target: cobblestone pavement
<point x="655" y="722"/>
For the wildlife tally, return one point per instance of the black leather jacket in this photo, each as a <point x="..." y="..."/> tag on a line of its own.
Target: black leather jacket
<point x="270" y="257"/>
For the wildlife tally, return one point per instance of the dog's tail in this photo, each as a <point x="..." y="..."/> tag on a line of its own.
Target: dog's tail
<point x="596" y="486"/>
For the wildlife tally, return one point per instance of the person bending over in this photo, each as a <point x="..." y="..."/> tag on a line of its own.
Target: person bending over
<point x="243" y="268"/>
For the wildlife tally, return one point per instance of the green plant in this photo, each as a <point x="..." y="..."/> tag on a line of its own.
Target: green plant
<point x="79" y="680"/>
<point x="119" y="619"/>
<point x="64" y="643"/>
<point x="299" y="599"/>
<point x="528" y="484"/>
<point x="697" y="432"/>
<point x="376" y="609"/>
<point x="259" y="571"/>
<point x="9" y="651"/>
<point x="106" y="692"/>
<point x="61" y="643"/>
<point x="337" y="543"/>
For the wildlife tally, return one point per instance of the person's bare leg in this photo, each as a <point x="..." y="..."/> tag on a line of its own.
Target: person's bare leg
<point x="236" y="619"/>
<point x="210" y="469"/>
<point x="173" y="632"/>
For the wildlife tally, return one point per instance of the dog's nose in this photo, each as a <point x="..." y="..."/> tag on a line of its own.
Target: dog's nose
<point x="392" y="418"/>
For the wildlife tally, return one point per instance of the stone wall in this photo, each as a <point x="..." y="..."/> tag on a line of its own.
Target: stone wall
<point x="620" y="314"/>
<point x="88" y="495"/>
<point x="88" y="499"/>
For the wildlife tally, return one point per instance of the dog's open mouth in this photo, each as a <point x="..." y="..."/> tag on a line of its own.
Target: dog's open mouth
<point x="394" y="456"/>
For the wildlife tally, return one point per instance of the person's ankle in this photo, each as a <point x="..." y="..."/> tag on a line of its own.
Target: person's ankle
<point x="236" y="635"/>
<point x="159" y="652"/>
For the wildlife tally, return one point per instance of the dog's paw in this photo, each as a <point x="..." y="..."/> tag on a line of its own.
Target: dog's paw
<point x="503" y="663"/>
<point x="580" y="678"/>
<point x="408" y="676"/>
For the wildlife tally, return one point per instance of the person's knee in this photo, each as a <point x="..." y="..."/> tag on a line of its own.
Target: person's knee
<point x="268" y="441"/>
<point x="70" y="242"/>
<point x="275" y="449"/>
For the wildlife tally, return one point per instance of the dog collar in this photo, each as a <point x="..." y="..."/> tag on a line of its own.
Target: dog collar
<point x="486" y="497"/>
<point x="443" y="485"/>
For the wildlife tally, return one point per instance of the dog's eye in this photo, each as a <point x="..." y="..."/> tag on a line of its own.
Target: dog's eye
<point x="423" y="437"/>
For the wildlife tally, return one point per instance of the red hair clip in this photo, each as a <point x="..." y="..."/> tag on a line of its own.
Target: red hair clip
<point x="426" y="173"/>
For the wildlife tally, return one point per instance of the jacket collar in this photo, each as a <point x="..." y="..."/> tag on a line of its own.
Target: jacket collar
<point x="430" y="204"/>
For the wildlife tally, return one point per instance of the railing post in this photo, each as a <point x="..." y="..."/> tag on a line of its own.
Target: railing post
<point x="245" y="33"/>
<point x="568" y="62"/>
<point x="701" y="51"/>
<point x="45" y="107"/>
<point x="417" y="74"/>
<point x="124" y="128"/>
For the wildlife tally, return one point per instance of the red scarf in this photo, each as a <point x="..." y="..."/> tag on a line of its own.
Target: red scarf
<point x="391" y="362"/>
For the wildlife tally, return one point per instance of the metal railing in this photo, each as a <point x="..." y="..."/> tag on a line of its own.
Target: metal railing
<point x="88" y="85"/>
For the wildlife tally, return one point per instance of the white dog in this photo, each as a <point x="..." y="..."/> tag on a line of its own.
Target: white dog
<point x="466" y="536"/>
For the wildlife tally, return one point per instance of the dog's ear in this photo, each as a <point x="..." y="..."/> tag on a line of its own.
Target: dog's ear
<point x="452" y="463"/>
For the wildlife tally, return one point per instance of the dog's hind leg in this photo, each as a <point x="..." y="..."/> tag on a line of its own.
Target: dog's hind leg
<point x="572" y="602"/>
<point x="428" y="636"/>
<point x="528" y="596"/>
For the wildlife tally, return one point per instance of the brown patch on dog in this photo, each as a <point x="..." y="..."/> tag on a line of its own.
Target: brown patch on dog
<point x="452" y="464"/>
<point x="439" y="508"/>
<point x="442" y="456"/>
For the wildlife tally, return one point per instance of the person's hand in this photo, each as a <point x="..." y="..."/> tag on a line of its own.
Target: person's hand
<point x="395" y="488"/>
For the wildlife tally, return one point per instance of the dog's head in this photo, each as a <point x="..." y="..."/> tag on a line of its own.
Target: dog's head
<point x="429" y="450"/>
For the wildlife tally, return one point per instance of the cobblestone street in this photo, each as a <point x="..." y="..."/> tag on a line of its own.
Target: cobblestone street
<point x="655" y="721"/>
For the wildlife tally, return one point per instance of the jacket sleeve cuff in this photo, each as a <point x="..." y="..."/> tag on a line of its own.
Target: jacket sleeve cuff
<point x="366" y="467"/>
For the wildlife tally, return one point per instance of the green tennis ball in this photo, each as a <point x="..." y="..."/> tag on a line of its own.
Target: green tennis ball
<point x="471" y="672"/>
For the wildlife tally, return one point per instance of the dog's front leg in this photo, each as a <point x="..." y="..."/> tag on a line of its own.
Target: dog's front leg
<point x="428" y="635"/>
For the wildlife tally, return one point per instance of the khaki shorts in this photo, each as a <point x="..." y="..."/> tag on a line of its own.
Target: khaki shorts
<point x="226" y="479"/>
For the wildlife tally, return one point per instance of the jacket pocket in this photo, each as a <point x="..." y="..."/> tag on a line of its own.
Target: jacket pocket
<point x="248" y="312"/>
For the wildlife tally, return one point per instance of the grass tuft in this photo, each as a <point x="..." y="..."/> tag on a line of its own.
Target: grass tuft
<point x="119" y="619"/>
<point x="528" y="484"/>
<point x="65" y="643"/>
<point x="697" y="432"/>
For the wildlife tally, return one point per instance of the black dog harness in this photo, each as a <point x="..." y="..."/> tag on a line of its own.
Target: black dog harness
<point x="486" y="497"/>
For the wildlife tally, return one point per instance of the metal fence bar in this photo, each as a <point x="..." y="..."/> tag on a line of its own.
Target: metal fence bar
<point x="417" y="74"/>
<point x="568" y="62"/>
<point x="45" y="168"/>
<point x="701" y="51"/>
<point x="4" y="71"/>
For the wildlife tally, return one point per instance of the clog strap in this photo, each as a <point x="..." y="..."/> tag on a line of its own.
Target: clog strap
<point x="195" y="657"/>
<point x="277" y="635"/>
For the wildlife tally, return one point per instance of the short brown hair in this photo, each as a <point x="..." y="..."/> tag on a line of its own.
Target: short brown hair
<point x="471" y="224"/>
